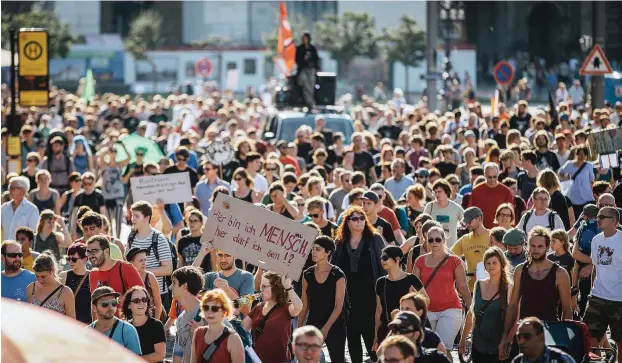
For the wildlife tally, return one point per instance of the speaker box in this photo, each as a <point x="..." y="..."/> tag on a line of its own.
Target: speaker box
<point x="325" y="88"/>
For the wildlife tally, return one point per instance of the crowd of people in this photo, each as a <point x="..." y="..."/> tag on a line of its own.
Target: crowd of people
<point x="438" y="234"/>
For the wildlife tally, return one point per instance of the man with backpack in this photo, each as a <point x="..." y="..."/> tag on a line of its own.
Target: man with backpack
<point x="540" y="215"/>
<point x="161" y="254"/>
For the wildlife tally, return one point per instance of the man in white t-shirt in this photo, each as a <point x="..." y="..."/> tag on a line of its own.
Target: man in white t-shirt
<point x="260" y="183"/>
<point x="445" y="211"/>
<point x="604" y="308"/>
<point x="540" y="215"/>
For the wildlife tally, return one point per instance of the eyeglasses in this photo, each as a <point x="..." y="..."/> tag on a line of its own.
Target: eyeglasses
<point x="93" y="252"/>
<point x="193" y="221"/>
<point x="314" y="215"/>
<point x="105" y="304"/>
<point x="181" y="159"/>
<point x="357" y="219"/>
<point x="435" y="240"/>
<point x="385" y="257"/>
<point x="508" y="215"/>
<point x="401" y="330"/>
<point x="74" y="259"/>
<point x="305" y="346"/>
<point x="212" y="308"/>
<point x="142" y="300"/>
<point x="601" y="217"/>
<point x="222" y="255"/>
<point x="14" y="255"/>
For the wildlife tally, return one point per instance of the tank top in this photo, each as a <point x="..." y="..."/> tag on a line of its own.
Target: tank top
<point x="49" y="243"/>
<point x="539" y="298"/>
<point x="221" y="354"/>
<point x="43" y="204"/>
<point x="82" y="298"/>
<point x="81" y="163"/>
<point x="246" y="198"/>
<point x="487" y="333"/>
<point x="53" y="303"/>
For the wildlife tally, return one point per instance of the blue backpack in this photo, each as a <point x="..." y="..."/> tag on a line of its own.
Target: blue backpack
<point x="587" y="230"/>
<point x="247" y="339"/>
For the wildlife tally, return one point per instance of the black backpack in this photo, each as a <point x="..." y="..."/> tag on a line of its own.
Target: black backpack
<point x="154" y="247"/>
<point x="529" y="213"/>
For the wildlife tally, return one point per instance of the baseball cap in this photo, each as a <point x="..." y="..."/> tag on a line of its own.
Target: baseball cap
<point x="469" y="133"/>
<point x="406" y="319"/>
<point x="590" y="210"/>
<point x="514" y="237"/>
<point x="101" y="292"/>
<point x="471" y="213"/>
<point x="369" y="195"/>
<point x="281" y="144"/>
<point x="129" y="255"/>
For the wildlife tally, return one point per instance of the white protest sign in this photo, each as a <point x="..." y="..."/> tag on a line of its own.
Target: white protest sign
<point x="219" y="153"/>
<point x="151" y="130"/>
<point x="259" y="236"/>
<point x="171" y="188"/>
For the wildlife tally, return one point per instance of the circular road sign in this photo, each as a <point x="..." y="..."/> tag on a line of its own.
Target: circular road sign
<point x="503" y="73"/>
<point x="33" y="50"/>
<point x="203" y="67"/>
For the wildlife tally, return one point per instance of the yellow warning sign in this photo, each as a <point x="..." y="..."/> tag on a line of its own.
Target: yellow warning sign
<point x="33" y="53"/>
<point x="34" y="98"/>
<point x="14" y="147"/>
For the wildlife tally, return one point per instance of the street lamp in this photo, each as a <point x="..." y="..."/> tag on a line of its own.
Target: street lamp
<point x="451" y="13"/>
<point x="586" y="42"/>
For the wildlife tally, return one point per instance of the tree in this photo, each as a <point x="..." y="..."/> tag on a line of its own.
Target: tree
<point x="347" y="37"/>
<point x="405" y="44"/>
<point x="59" y="34"/>
<point x="145" y="33"/>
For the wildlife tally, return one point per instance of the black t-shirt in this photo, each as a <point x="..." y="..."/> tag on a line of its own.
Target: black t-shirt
<point x="94" y="200"/>
<point x="329" y="229"/>
<point x="385" y="229"/>
<point x="131" y="123"/>
<point x="363" y="162"/>
<point x="559" y="204"/>
<point x="547" y="159"/>
<point x="390" y="293"/>
<point x="431" y="340"/>
<point x="194" y="178"/>
<point x="446" y="168"/>
<point x="525" y="184"/>
<point x="392" y="132"/>
<point x="431" y="145"/>
<point x="566" y="261"/>
<point x="150" y="334"/>
<point x="321" y="297"/>
<point x="303" y="149"/>
<point x="189" y="248"/>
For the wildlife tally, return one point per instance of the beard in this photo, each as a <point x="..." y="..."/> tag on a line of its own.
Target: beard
<point x="536" y="257"/>
<point x="13" y="267"/>
<point x="226" y="266"/>
<point x="97" y="261"/>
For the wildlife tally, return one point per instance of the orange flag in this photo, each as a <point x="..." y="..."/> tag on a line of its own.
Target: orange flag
<point x="286" y="48"/>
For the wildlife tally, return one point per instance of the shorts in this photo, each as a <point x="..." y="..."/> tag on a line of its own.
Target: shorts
<point x="446" y="324"/>
<point x="600" y="314"/>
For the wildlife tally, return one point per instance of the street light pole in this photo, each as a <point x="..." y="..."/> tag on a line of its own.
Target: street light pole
<point x="451" y="13"/>
<point x="432" y="20"/>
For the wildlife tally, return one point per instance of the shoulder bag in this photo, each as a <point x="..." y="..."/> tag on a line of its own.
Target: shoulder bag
<point x="438" y="267"/>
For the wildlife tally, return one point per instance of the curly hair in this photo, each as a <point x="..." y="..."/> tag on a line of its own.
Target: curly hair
<point x="539" y="231"/>
<point x="343" y="231"/>
<point x="276" y="285"/>
<point x="127" y="300"/>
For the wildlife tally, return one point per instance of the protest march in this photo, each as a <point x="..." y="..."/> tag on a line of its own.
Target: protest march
<point x="209" y="227"/>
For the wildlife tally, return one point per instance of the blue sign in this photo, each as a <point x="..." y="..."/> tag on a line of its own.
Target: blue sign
<point x="503" y="73"/>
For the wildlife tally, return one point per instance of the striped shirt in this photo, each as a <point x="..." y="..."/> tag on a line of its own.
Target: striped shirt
<point x="164" y="252"/>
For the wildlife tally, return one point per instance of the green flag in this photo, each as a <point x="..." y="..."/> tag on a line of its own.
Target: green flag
<point x="88" y="92"/>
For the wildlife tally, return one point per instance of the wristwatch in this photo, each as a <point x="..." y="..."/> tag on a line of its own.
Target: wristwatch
<point x="574" y="291"/>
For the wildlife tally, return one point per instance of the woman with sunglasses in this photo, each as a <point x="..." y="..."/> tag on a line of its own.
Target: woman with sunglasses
<point x="43" y="196"/>
<point x="490" y="300"/>
<point x="32" y="167"/>
<point x="357" y="254"/>
<point x="504" y="216"/>
<point x="77" y="279"/>
<point x="138" y="310"/>
<point x="47" y="292"/>
<point x="324" y="298"/>
<point x="215" y="308"/>
<point x="244" y="185"/>
<point x="47" y="239"/>
<point x="445" y="286"/>
<point x="138" y="257"/>
<point x="272" y="170"/>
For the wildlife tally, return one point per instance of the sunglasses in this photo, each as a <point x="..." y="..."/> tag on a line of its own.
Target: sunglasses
<point x="140" y="154"/>
<point x="238" y="179"/>
<point x="181" y="159"/>
<point x="142" y="300"/>
<point x="357" y="219"/>
<point x="74" y="259"/>
<point x="212" y="308"/>
<point x="270" y="169"/>
<point x="14" y="254"/>
<point x="385" y="258"/>
<point x="314" y="215"/>
<point x="455" y="183"/>
<point x="401" y="330"/>
<point x="105" y="304"/>
<point x="435" y="240"/>
<point x="601" y="217"/>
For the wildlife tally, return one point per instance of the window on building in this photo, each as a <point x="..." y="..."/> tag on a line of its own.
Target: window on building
<point x="250" y="66"/>
<point x="232" y="66"/>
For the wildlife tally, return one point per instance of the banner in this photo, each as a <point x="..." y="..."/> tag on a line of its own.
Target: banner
<point x="171" y="188"/>
<point x="259" y="236"/>
<point x="286" y="48"/>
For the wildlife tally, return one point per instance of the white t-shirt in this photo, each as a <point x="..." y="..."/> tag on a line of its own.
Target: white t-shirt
<point x="261" y="183"/>
<point x="448" y="217"/>
<point x="542" y="220"/>
<point x="607" y="257"/>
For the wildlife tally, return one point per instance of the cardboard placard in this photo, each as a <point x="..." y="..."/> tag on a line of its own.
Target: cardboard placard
<point x="605" y="141"/>
<point x="220" y="153"/>
<point x="258" y="236"/>
<point x="171" y="188"/>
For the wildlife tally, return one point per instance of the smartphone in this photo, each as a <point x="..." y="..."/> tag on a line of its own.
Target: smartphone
<point x="198" y="317"/>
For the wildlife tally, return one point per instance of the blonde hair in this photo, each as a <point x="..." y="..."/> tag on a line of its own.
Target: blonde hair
<point x="561" y="235"/>
<point x="548" y="180"/>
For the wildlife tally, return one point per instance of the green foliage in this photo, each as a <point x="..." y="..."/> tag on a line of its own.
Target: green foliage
<point x="145" y="34"/>
<point x="298" y="23"/>
<point x="405" y="43"/>
<point x="347" y="37"/>
<point x="60" y="37"/>
<point x="212" y="41"/>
